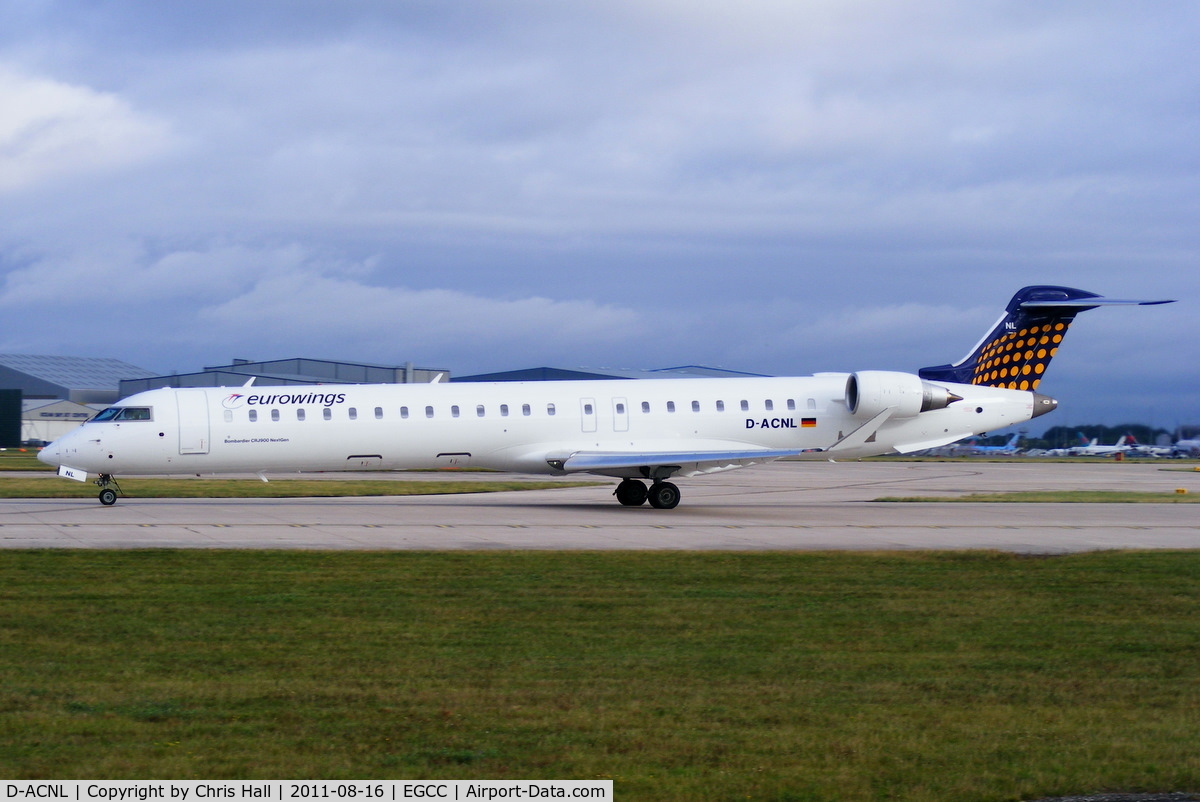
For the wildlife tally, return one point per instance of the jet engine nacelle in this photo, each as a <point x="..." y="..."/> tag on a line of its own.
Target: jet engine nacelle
<point x="870" y="392"/>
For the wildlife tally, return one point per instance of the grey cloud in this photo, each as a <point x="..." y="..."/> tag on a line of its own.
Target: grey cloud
<point x="50" y="129"/>
<point x="772" y="186"/>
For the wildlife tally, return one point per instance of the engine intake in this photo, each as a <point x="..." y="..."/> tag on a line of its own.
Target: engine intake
<point x="870" y="392"/>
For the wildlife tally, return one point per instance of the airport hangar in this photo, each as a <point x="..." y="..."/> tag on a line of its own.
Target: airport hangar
<point x="44" y="397"/>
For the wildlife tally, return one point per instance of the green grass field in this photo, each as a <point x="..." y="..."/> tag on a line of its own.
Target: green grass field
<point x="52" y="487"/>
<point x="49" y="486"/>
<point x="793" y="676"/>
<point x="22" y="459"/>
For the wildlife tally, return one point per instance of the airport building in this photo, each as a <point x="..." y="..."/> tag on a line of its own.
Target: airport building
<point x="283" y="372"/>
<point x="44" y="420"/>
<point x="84" y="380"/>
<point x="561" y="374"/>
<point x="43" y="397"/>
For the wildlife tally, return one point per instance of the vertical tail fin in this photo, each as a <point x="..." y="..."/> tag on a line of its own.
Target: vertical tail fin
<point x="1016" y="352"/>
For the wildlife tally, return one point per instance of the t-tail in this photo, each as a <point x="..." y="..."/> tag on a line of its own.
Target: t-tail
<point x="1017" y="351"/>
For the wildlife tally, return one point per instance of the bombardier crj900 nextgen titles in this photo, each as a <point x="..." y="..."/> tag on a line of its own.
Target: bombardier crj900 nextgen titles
<point x="641" y="431"/>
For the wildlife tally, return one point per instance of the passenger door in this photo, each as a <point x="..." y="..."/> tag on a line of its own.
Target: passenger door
<point x="193" y="421"/>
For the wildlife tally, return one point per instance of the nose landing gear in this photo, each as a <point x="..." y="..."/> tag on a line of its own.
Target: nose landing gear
<point x="108" y="496"/>
<point x="661" y="495"/>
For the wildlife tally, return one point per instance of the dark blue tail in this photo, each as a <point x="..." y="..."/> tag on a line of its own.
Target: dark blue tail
<point x="1018" y="349"/>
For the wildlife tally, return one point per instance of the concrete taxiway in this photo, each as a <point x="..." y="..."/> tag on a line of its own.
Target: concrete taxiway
<point x="782" y="506"/>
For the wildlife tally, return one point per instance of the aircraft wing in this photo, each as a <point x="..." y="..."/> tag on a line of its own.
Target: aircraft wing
<point x="661" y="464"/>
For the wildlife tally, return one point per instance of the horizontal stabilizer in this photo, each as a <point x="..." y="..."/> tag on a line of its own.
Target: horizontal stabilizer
<point x="1084" y="304"/>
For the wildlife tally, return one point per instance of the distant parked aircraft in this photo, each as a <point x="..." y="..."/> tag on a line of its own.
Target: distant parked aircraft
<point x="1094" y="449"/>
<point x="1187" y="448"/>
<point x="1010" y="447"/>
<point x="1137" y="449"/>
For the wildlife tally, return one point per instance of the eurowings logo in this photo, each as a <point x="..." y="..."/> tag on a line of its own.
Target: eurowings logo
<point x="238" y="400"/>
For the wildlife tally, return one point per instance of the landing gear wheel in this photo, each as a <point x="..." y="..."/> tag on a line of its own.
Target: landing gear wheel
<point x="631" y="493"/>
<point x="108" y="496"/>
<point x="663" y="496"/>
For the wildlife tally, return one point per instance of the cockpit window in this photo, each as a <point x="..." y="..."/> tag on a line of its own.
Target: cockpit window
<point x="123" y="413"/>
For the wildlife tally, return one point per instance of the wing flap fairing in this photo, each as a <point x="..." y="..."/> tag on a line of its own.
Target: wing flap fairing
<point x="661" y="464"/>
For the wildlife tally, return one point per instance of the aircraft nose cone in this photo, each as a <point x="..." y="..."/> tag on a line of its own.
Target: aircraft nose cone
<point x="1043" y="404"/>
<point x="46" y="455"/>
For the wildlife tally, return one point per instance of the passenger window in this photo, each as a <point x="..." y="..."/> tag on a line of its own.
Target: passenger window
<point x="378" y="413"/>
<point x="229" y="416"/>
<point x="429" y="412"/>
<point x="299" y="414"/>
<point x="720" y="406"/>
<point x="620" y="409"/>
<point x="327" y="413"/>
<point x="549" y="409"/>
<point x="745" y="406"/>
<point x="253" y="415"/>
<point x="525" y="410"/>
<point x="791" y="405"/>
<point x="454" y="411"/>
<point x="812" y="403"/>
<point x="353" y="413"/>
<point x="770" y="405"/>
<point x="695" y="406"/>
<point x="670" y="406"/>
<point x="275" y="415"/>
<point x="404" y="412"/>
<point x="479" y="411"/>
<point x="645" y="407"/>
<point x="587" y="409"/>
<point x="504" y="410"/>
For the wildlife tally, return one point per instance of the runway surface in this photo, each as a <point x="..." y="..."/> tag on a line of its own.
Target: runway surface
<point x="782" y="506"/>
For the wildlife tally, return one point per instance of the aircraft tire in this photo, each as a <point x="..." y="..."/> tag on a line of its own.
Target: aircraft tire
<point x="664" y="496"/>
<point x="631" y="493"/>
<point x="108" y="497"/>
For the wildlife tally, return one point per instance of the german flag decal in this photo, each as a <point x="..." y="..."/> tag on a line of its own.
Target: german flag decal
<point x="808" y="423"/>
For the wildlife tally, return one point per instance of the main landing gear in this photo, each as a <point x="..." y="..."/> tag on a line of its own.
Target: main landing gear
<point x="661" y="495"/>
<point x="108" y="496"/>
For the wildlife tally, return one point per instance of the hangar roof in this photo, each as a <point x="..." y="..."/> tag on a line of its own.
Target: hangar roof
<point x="568" y="374"/>
<point x="73" y="372"/>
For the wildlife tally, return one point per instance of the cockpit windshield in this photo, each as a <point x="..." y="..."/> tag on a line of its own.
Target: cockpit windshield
<point x="123" y="414"/>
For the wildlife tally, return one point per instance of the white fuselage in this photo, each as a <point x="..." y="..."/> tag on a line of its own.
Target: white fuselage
<point x="527" y="427"/>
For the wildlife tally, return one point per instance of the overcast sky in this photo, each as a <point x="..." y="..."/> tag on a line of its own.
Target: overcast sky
<point x="778" y="187"/>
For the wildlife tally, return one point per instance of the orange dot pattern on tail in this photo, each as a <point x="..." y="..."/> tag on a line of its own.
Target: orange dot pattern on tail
<point x="1016" y="360"/>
